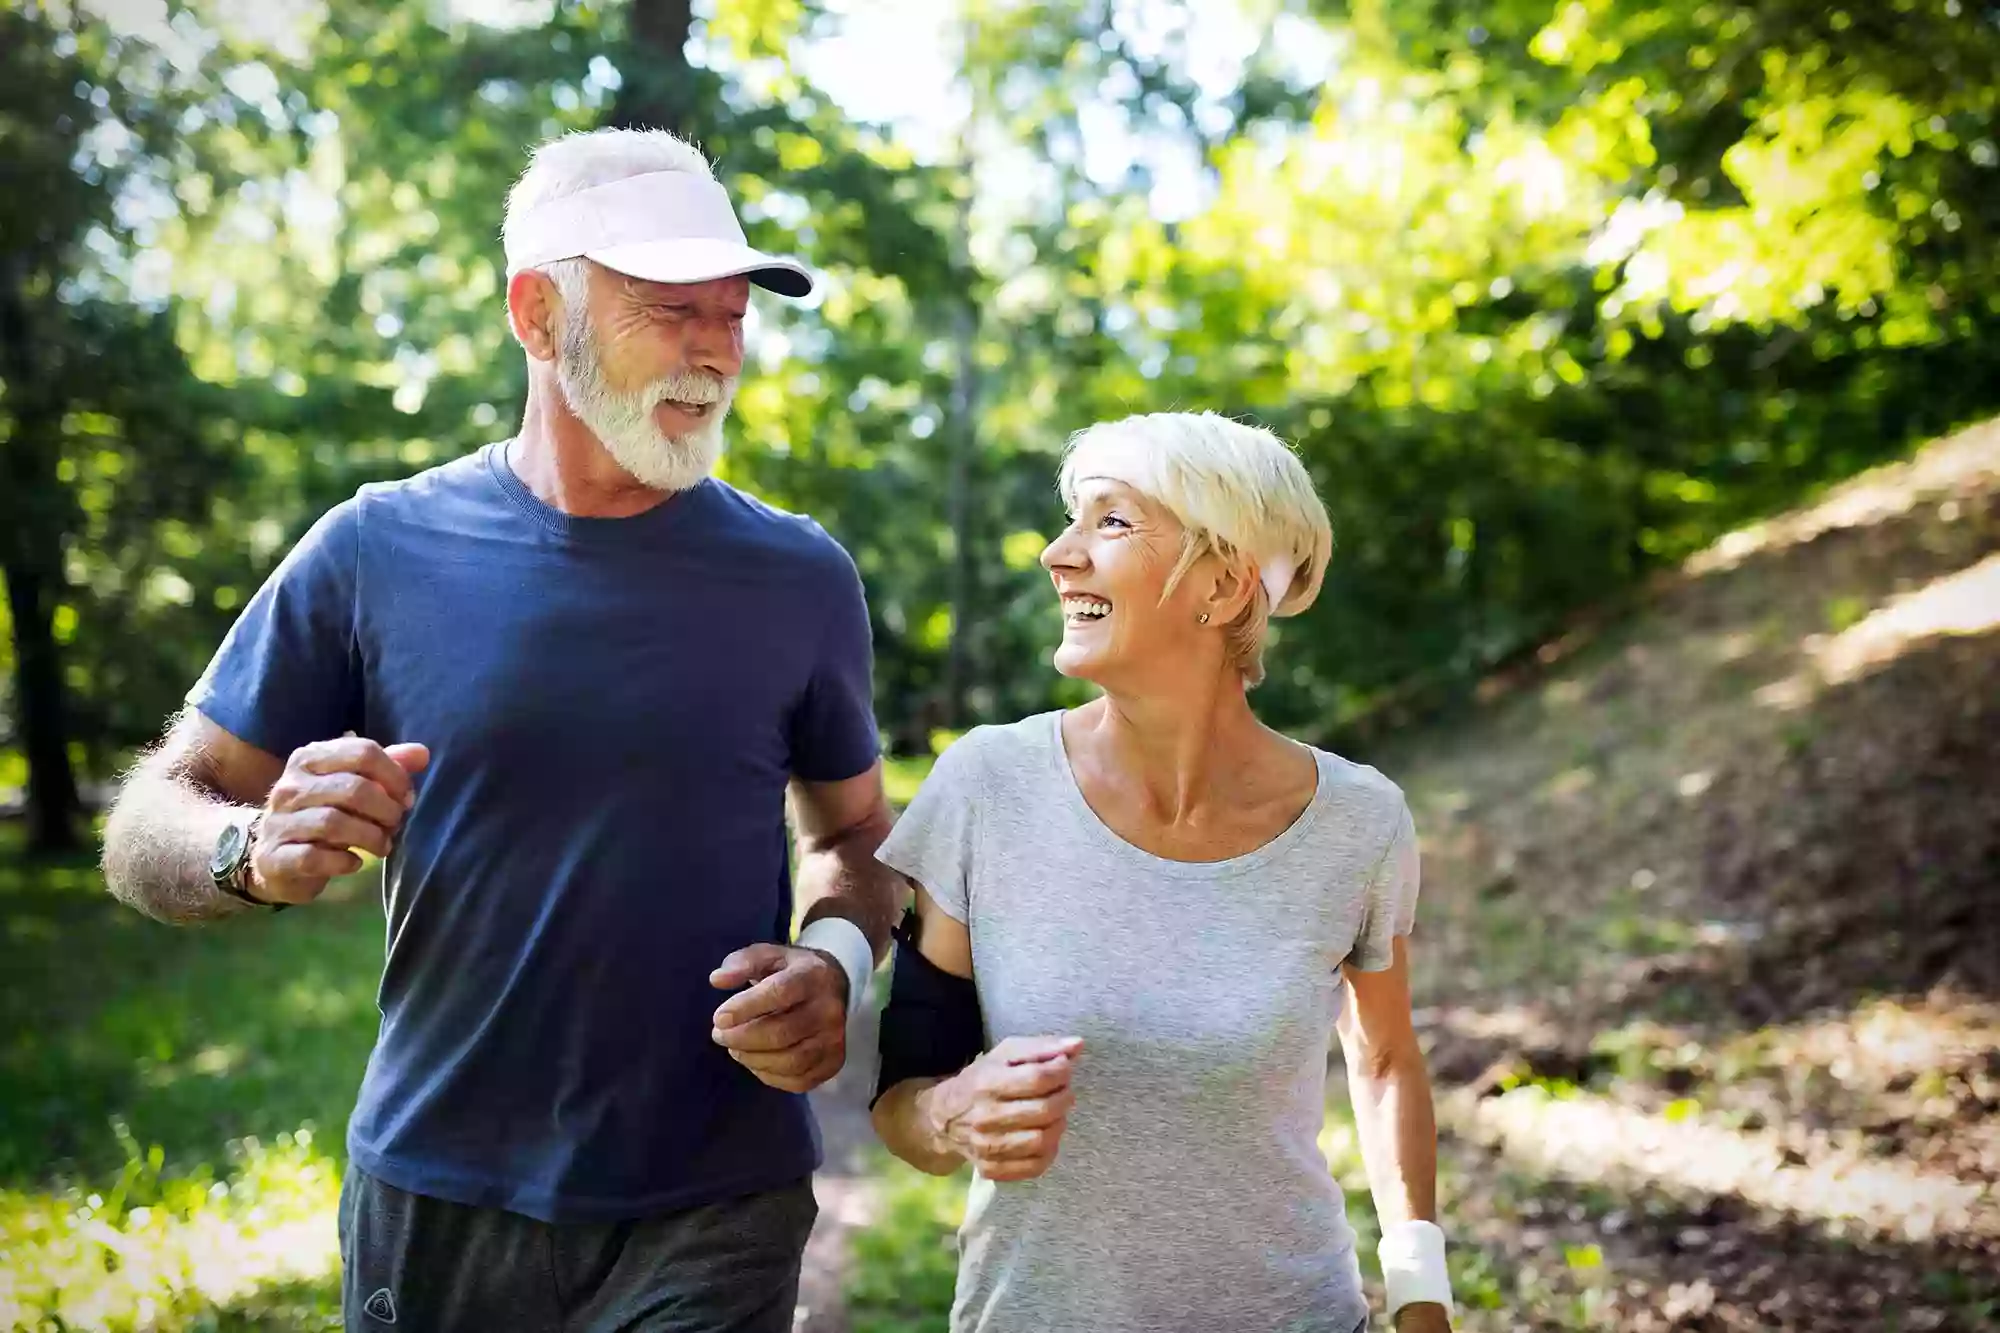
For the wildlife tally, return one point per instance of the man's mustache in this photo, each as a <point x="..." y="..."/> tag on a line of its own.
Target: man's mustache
<point x="690" y="387"/>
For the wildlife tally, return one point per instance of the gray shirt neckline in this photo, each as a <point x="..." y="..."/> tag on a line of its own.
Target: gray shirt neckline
<point x="1147" y="862"/>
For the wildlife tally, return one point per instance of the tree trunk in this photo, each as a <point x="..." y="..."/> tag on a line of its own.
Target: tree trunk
<point x="43" y="722"/>
<point x="31" y="562"/>
<point x="658" y="89"/>
<point x="962" y="440"/>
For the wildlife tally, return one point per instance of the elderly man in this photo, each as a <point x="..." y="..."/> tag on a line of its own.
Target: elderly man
<point x="563" y="686"/>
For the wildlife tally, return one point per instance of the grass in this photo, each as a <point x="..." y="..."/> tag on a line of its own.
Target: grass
<point x="170" y="1143"/>
<point x="178" y="1249"/>
<point x="904" y="1264"/>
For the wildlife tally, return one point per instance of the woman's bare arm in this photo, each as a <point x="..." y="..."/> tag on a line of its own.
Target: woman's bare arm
<point x="1391" y="1090"/>
<point x="900" y="1120"/>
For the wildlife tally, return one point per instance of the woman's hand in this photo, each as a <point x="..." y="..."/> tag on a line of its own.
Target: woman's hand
<point x="1423" y="1317"/>
<point x="1005" y="1112"/>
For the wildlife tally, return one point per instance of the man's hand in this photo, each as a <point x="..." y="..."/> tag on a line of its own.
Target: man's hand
<point x="332" y="796"/>
<point x="790" y="1027"/>
<point x="1006" y="1111"/>
<point x="1423" y="1317"/>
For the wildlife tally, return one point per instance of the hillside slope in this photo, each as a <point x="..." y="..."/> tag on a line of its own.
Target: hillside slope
<point x="1709" y="951"/>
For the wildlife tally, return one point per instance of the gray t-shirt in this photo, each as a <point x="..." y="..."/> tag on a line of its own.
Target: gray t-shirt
<point x="1189" y="1191"/>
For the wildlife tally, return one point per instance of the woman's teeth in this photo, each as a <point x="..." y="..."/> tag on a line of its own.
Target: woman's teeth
<point x="1086" y="608"/>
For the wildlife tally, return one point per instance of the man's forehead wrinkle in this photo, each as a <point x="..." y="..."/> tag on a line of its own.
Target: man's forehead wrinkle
<point x="717" y="290"/>
<point x="641" y="290"/>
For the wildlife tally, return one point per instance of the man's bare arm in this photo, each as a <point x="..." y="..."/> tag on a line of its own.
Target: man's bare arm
<point x="172" y="807"/>
<point x="839" y="825"/>
<point x="319" y="804"/>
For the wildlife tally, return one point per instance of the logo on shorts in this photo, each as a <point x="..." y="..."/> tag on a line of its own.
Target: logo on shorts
<point x="381" y="1307"/>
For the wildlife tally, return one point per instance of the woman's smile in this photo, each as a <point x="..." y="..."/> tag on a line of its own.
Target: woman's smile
<point x="1084" y="609"/>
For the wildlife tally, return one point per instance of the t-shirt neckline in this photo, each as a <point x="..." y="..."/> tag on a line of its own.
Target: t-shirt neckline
<point x="648" y="526"/>
<point x="1289" y="837"/>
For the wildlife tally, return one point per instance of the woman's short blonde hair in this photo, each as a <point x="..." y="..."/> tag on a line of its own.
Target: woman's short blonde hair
<point x="1240" y="493"/>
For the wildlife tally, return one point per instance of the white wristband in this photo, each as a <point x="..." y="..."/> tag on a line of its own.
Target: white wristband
<point x="850" y="948"/>
<point x="1412" y="1255"/>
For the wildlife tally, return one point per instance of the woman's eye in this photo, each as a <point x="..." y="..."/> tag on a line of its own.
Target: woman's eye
<point x="1112" y="520"/>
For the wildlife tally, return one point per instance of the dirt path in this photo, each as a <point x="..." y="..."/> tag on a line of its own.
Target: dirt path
<point x="845" y="1191"/>
<point x="1710" y="975"/>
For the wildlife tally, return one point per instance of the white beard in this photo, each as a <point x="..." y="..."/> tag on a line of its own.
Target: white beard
<point x="623" y="420"/>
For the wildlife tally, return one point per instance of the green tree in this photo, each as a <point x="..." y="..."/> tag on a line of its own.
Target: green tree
<point x="1546" y="294"/>
<point x="103" y="430"/>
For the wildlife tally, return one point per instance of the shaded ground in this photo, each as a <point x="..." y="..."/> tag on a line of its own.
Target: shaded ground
<point x="1709" y="954"/>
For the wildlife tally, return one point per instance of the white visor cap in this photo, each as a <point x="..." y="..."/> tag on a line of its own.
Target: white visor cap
<point x="663" y="226"/>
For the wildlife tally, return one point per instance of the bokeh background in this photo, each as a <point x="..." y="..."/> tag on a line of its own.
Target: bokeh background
<point x="1641" y="351"/>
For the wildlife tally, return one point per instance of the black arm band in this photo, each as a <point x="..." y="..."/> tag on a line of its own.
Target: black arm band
<point x="931" y="1027"/>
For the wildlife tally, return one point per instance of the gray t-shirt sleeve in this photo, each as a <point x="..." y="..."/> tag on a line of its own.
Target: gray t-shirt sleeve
<point x="1390" y="908"/>
<point x="934" y="841"/>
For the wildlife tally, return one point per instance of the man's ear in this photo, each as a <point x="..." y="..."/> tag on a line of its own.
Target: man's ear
<point x="534" y="313"/>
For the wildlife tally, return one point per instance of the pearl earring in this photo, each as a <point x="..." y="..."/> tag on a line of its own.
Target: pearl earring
<point x="1202" y="619"/>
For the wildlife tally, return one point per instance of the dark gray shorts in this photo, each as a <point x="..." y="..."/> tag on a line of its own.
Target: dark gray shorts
<point x="410" y="1262"/>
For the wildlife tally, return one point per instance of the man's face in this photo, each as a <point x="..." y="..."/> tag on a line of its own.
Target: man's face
<point x="651" y="369"/>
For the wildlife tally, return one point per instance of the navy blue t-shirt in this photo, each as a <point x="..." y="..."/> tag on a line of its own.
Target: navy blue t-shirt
<point x="613" y="709"/>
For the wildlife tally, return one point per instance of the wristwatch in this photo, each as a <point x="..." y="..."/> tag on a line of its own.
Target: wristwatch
<point x="229" y="866"/>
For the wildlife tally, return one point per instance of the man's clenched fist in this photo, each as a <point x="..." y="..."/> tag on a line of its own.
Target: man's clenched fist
<point x="332" y="796"/>
<point x="790" y="1027"/>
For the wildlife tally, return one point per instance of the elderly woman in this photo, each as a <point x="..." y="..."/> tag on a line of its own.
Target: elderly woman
<point x="1137" y="927"/>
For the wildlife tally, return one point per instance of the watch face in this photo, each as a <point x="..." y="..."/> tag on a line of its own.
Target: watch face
<point x="227" y="848"/>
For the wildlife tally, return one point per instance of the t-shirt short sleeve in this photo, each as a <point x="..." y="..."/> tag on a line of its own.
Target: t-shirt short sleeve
<point x="833" y="733"/>
<point x="289" y="671"/>
<point x="933" y="841"/>
<point x="1390" y="908"/>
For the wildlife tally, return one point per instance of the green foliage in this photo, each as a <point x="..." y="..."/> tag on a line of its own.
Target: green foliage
<point x="1552" y="294"/>
<point x="165" y="1252"/>
<point x="105" y="435"/>
<point x="188" y="1037"/>
<point x="904" y="1265"/>
<point x="170" y="1140"/>
<point x="902" y="777"/>
<point x="1547" y="295"/>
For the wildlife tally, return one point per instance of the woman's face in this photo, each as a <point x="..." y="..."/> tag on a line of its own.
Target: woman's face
<point x="1110" y="566"/>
